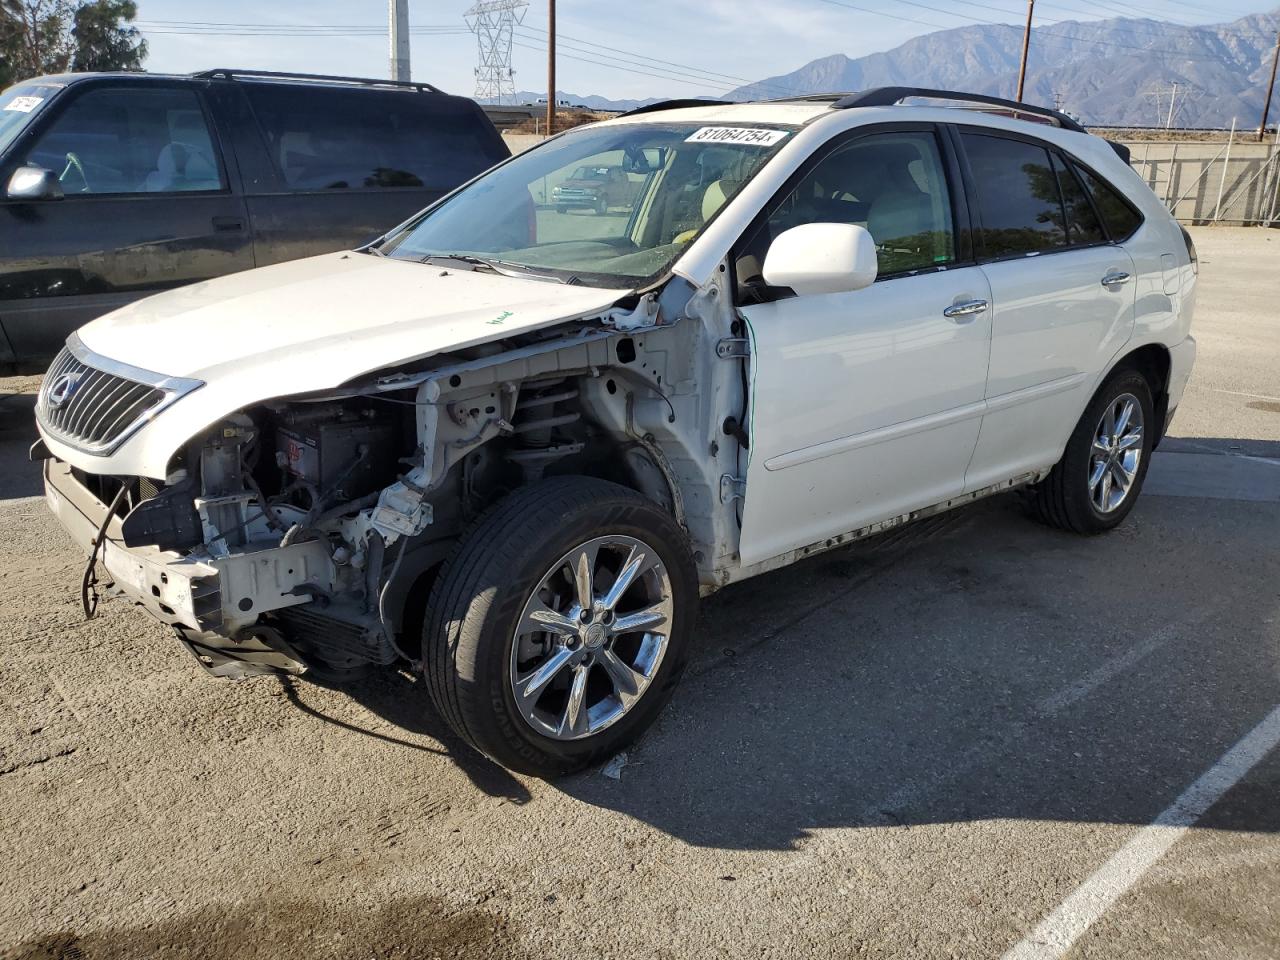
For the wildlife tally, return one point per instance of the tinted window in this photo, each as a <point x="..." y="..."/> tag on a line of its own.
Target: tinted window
<point x="323" y="138"/>
<point x="1083" y="227"/>
<point x="893" y="184"/>
<point x="1121" y="219"/>
<point x="131" y="141"/>
<point x="1018" y="201"/>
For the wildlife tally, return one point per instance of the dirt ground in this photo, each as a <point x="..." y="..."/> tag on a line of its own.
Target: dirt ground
<point x="919" y="748"/>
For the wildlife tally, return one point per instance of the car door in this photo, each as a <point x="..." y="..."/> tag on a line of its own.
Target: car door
<point x="1062" y="300"/>
<point x="865" y="405"/>
<point x="338" y="166"/>
<point x="149" y="203"/>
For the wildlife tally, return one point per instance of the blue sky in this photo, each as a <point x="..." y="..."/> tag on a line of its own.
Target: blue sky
<point x="705" y="46"/>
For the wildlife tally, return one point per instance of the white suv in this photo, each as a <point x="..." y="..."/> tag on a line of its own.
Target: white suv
<point x="511" y="444"/>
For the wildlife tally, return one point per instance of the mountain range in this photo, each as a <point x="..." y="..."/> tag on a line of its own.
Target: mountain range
<point x="1103" y="71"/>
<point x="1107" y="72"/>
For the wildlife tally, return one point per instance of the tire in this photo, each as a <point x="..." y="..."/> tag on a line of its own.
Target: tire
<point x="562" y="210"/>
<point x="1067" y="498"/>
<point x="602" y="207"/>
<point x="476" y="650"/>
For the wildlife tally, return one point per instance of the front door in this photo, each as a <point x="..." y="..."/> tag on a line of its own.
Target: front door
<point x="865" y="405"/>
<point x="148" y="205"/>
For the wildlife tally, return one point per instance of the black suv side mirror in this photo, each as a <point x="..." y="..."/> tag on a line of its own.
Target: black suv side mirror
<point x="34" y="183"/>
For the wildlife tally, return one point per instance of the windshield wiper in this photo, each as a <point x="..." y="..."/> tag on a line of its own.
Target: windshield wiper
<point x="504" y="268"/>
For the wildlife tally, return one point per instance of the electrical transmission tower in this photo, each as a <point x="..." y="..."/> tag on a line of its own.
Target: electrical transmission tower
<point x="494" y="23"/>
<point x="1180" y="98"/>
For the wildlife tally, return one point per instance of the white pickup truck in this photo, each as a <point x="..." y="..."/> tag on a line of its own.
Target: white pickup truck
<point x="512" y="444"/>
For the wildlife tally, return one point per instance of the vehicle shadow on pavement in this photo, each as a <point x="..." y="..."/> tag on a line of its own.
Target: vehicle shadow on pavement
<point x="400" y="700"/>
<point x="976" y="674"/>
<point x="20" y="478"/>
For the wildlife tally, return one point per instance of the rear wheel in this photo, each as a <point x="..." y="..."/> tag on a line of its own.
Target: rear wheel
<point x="561" y="627"/>
<point x="1097" y="481"/>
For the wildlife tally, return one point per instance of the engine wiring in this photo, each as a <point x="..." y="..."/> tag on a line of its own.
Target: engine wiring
<point x="89" y="582"/>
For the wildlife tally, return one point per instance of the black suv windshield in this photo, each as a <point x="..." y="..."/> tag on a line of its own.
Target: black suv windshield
<point x="18" y="106"/>
<point x="608" y="206"/>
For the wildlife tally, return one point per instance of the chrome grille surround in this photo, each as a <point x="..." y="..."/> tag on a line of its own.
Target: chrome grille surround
<point x="94" y="403"/>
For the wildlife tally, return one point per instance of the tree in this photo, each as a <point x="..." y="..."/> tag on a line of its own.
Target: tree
<point x="33" y="38"/>
<point x="102" y="39"/>
<point x="53" y="36"/>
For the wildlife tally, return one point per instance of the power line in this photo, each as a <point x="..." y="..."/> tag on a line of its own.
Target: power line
<point x="677" y="70"/>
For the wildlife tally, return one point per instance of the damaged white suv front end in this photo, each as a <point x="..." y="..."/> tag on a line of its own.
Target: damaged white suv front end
<point x="193" y="537"/>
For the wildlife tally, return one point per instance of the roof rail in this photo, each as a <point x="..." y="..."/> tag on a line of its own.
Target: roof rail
<point x="888" y="96"/>
<point x="675" y="105"/>
<point x="228" y="73"/>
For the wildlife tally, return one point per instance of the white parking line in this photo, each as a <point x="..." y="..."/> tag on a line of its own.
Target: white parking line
<point x="1116" y="665"/>
<point x="1057" y="932"/>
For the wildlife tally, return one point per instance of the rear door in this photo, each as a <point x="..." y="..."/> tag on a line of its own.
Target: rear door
<point x="1062" y="298"/>
<point x="335" y="167"/>
<point x="150" y="203"/>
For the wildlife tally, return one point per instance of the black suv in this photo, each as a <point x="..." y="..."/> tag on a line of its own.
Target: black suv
<point x="115" y="186"/>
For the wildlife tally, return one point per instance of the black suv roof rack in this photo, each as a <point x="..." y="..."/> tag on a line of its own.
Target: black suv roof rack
<point x="229" y="73"/>
<point x="888" y="96"/>
<point x="676" y="105"/>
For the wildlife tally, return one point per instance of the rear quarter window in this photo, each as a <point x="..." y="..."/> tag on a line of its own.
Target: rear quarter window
<point x="1121" y="218"/>
<point x="322" y="138"/>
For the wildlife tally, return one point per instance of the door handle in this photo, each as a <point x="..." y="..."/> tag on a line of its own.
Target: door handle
<point x="1119" y="278"/>
<point x="228" y="223"/>
<point x="960" y="311"/>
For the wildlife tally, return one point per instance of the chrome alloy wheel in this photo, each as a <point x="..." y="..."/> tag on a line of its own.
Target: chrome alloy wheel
<point x="591" y="637"/>
<point x="1116" y="453"/>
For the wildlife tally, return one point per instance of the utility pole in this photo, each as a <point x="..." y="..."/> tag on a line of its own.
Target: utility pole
<point x="1026" y="47"/>
<point x="1173" y="98"/>
<point x="398" y="14"/>
<point x="1266" y="104"/>
<point x="551" y="67"/>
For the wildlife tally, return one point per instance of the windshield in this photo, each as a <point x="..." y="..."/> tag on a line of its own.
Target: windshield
<point x="609" y="206"/>
<point x="18" y="106"/>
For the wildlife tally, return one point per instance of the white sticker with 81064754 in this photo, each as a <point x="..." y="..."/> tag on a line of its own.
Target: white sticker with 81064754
<point x="748" y="136"/>
<point x="24" y="104"/>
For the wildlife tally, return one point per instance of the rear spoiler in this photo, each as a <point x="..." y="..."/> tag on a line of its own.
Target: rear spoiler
<point x="1122" y="151"/>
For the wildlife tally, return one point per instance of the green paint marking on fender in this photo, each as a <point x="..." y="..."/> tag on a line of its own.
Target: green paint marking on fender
<point x="501" y="318"/>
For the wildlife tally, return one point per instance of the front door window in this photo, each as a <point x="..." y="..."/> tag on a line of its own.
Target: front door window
<point x="128" y="141"/>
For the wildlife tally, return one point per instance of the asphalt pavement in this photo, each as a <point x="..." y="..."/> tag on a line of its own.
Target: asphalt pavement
<point x="957" y="741"/>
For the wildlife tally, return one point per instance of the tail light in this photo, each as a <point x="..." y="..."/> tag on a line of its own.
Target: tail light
<point x="1191" y="251"/>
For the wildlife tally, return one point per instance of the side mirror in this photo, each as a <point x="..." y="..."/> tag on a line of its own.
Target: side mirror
<point x="822" y="258"/>
<point x="34" y="183"/>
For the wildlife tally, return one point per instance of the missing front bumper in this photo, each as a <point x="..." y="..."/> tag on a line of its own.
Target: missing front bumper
<point x="208" y="595"/>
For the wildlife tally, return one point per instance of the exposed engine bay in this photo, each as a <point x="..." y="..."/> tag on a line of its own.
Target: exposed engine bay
<point x="309" y="529"/>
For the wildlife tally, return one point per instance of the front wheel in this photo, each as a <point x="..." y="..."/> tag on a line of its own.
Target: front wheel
<point x="1097" y="481"/>
<point x="561" y="626"/>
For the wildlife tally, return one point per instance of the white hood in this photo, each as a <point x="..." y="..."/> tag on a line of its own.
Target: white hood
<point x="307" y="325"/>
<point x="328" y="318"/>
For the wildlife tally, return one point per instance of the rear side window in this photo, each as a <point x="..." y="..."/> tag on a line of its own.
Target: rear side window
<point x="131" y="140"/>
<point x="1019" y="203"/>
<point x="322" y="138"/>
<point x="1083" y="227"/>
<point x="1121" y="219"/>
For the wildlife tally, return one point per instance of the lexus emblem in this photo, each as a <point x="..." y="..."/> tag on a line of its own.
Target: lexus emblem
<point x="61" y="389"/>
